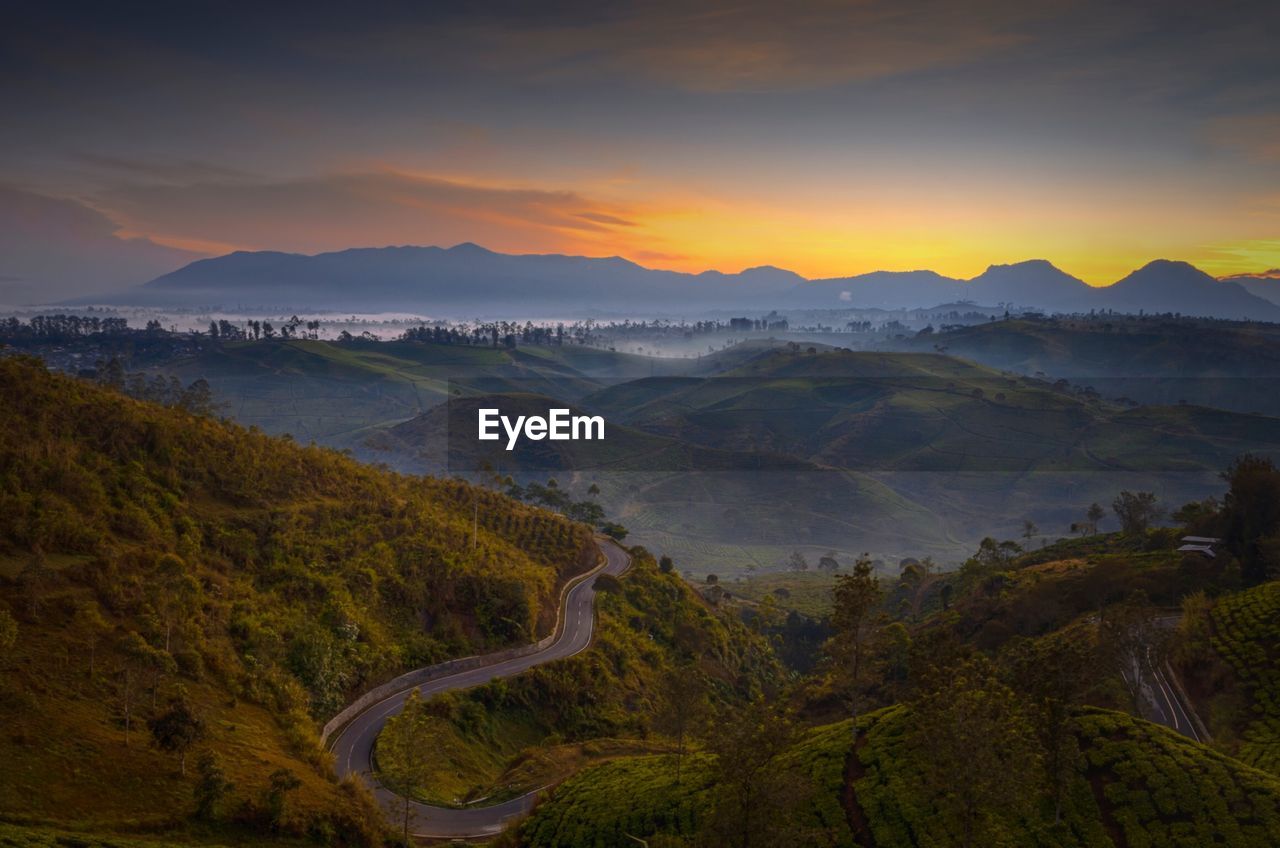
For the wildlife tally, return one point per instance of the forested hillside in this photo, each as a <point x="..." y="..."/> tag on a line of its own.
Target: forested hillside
<point x="184" y="600"/>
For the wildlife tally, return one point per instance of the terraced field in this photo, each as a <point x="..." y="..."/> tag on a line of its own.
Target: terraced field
<point x="1138" y="784"/>
<point x="1247" y="635"/>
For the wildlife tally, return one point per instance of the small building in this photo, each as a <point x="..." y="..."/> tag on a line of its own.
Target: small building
<point x="1199" y="545"/>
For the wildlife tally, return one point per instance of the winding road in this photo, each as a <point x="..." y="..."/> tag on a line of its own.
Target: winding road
<point x="1160" y="698"/>
<point x="352" y="746"/>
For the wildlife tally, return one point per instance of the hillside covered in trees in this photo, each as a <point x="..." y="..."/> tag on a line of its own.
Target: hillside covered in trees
<point x="184" y="600"/>
<point x="1017" y="700"/>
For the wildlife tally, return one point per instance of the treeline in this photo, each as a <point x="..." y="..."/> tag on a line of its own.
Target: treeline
<point x="196" y="397"/>
<point x="294" y="328"/>
<point x="496" y="333"/>
<point x="60" y="328"/>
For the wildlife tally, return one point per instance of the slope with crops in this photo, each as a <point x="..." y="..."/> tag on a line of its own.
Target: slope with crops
<point x="1135" y="784"/>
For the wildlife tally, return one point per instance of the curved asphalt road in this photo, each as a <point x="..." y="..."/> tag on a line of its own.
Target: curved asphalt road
<point x="353" y="746"/>
<point x="1160" y="698"/>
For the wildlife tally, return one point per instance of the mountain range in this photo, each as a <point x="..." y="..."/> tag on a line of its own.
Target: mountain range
<point x="467" y="279"/>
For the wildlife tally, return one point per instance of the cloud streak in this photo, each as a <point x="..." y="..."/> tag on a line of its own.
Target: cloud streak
<point x="365" y="209"/>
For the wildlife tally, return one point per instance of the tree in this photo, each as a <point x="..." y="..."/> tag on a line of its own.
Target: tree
<point x="1130" y="633"/>
<point x="197" y="398"/>
<point x="177" y="595"/>
<point x="177" y="729"/>
<point x="1251" y="517"/>
<point x="1135" y="511"/>
<point x="607" y="583"/>
<point x="991" y="558"/>
<point x="756" y="801"/>
<point x="797" y="562"/>
<point x="211" y="786"/>
<point x="614" y="531"/>
<point x="1055" y="674"/>
<point x="978" y="750"/>
<point x="682" y="708"/>
<point x="915" y="579"/>
<point x="894" y="647"/>
<point x="857" y="597"/>
<point x="665" y="564"/>
<point x="1029" y="530"/>
<point x="8" y="633"/>
<point x="829" y="563"/>
<point x="406" y="746"/>
<point x="90" y="623"/>
<point x="280" y="784"/>
<point x="135" y="655"/>
<point x="1094" y="515"/>
<point x="1200" y="518"/>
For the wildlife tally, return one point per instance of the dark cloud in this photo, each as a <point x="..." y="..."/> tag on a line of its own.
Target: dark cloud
<point x="52" y="249"/>
<point x="185" y="171"/>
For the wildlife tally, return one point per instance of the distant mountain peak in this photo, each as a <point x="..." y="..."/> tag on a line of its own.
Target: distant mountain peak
<point x="470" y="247"/>
<point x="1025" y="263"/>
<point x="1177" y="265"/>
<point x="468" y="277"/>
<point x="1169" y="272"/>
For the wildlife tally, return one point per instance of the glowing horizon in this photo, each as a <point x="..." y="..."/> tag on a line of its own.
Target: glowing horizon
<point x="831" y="140"/>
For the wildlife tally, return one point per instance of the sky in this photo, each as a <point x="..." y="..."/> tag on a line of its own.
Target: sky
<point x="826" y="138"/>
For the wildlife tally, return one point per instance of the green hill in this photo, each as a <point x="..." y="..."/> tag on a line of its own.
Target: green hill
<point x="1137" y="784"/>
<point x="336" y="392"/>
<point x="712" y="509"/>
<point x="927" y="412"/>
<point x="1157" y="360"/>
<point x="150" y="556"/>
<point x="969" y="446"/>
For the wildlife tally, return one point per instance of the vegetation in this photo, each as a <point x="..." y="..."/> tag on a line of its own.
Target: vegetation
<point x="1157" y="359"/>
<point x="1135" y="784"/>
<point x="228" y="590"/>
<point x="1246" y="634"/>
<point x="177" y="590"/>
<point x="650" y="626"/>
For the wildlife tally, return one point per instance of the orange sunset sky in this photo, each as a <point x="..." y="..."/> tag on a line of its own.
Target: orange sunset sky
<point x="827" y="138"/>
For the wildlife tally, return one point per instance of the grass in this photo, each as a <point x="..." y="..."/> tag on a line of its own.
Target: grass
<point x="334" y="393"/>
<point x="12" y="836"/>
<point x="1155" y="360"/>
<point x="65" y="757"/>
